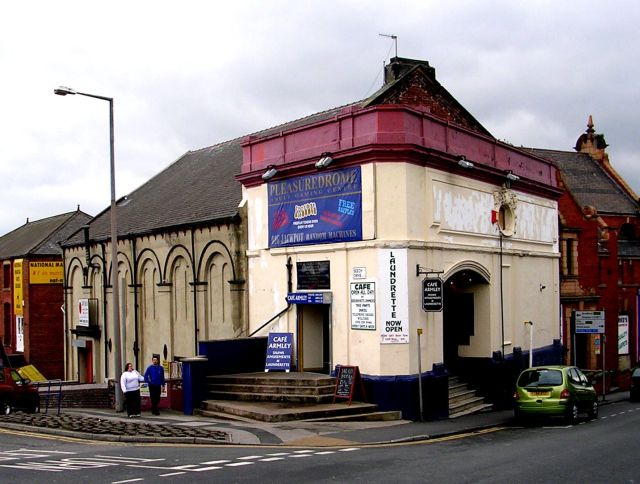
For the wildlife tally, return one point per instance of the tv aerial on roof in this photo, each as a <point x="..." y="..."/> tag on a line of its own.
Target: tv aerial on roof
<point x="392" y="37"/>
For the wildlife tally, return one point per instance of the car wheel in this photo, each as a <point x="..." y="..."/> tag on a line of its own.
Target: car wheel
<point x="572" y="413"/>
<point x="593" y="413"/>
<point x="5" y="408"/>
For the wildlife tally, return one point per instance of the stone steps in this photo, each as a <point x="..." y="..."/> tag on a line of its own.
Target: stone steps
<point x="464" y="400"/>
<point x="284" y="412"/>
<point x="281" y="397"/>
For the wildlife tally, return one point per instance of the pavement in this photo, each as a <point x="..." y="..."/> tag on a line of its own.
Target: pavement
<point x="175" y="427"/>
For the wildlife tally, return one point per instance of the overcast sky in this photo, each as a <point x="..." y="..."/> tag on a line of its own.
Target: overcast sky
<point x="188" y="74"/>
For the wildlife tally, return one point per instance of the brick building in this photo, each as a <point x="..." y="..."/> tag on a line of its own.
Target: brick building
<point x="600" y="254"/>
<point x="32" y="327"/>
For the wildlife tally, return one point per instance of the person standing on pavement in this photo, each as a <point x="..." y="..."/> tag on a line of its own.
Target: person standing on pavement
<point x="130" y="384"/>
<point x="154" y="376"/>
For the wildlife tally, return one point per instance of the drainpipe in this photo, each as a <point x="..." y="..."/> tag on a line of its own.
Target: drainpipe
<point x="134" y="280"/>
<point x="501" y="296"/>
<point x="107" y="347"/>
<point x="195" y="292"/>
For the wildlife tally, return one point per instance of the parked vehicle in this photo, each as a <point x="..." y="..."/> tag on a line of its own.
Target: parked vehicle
<point x="634" y="390"/>
<point x="17" y="393"/>
<point x="554" y="391"/>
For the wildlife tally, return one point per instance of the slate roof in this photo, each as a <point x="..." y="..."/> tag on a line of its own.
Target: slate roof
<point x="41" y="237"/>
<point x="589" y="183"/>
<point x="629" y="249"/>
<point x="200" y="187"/>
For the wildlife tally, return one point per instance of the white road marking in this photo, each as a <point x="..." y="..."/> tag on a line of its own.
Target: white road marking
<point x="202" y="469"/>
<point x="101" y="461"/>
<point x="128" y="480"/>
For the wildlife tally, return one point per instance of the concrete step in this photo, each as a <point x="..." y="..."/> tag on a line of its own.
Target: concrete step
<point x="283" y="411"/>
<point x="483" y="407"/>
<point x="271" y="389"/>
<point x="457" y="387"/>
<point x="465" y="405"/>
<point x="222" y="416"/>
<point x="274" y="379"/>
<point x="270" y="397"/>
<point x="461" y="395"/>
<point x="388" y="416"/>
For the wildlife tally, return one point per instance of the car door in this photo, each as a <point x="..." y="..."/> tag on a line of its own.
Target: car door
<point x="577" y="387"/>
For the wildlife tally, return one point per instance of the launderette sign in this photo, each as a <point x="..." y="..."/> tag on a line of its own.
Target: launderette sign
<point x="316" y="209"/>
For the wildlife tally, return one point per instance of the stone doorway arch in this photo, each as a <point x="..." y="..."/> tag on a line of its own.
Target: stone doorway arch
<point x="465" y="304"/>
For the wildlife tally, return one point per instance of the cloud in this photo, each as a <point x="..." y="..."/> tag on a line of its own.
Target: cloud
<point x="191" y="74"/>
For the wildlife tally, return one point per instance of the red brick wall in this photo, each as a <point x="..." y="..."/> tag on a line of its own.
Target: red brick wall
<point x="44" y="329"/>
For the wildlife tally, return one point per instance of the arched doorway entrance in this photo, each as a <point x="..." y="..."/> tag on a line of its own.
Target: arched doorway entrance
<point x="463" y="304"/>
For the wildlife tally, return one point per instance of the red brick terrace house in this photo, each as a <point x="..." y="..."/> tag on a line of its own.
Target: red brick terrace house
<point x="32" y="292"/>
<point x="600" y="250"/>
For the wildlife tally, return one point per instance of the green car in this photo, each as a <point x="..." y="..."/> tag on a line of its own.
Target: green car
<point x="554" y="391"/>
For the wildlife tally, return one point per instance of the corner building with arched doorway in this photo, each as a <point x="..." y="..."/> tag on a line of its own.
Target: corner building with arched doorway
<point x="351" y="209"/>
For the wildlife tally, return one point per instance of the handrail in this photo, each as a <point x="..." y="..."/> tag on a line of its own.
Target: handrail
<point x="48" y="393"/>
<point x="276" y="316"/>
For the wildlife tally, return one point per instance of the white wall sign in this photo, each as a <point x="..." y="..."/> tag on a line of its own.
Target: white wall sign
<point x="359" y="273"/>
<point x="363" y="305"/>
<point x="83" y="312"/>
<point x="623" y="335"/>
<point x="393" y="296"/>
<point x="19" y="333"/>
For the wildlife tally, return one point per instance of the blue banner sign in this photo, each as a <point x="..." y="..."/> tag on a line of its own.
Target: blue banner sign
<point x="279" y="348"/>
<point x="316" y="209"/>
<point x="308" y="298"/>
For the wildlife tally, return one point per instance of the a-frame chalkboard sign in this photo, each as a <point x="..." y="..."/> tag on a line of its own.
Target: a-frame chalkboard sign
<point x="348" y="383"/>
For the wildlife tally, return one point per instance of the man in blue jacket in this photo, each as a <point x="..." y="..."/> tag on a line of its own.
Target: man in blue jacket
<point x="154" y="376"/>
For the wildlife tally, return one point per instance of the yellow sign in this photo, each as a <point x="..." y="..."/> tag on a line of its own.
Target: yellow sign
<point x="31" y="372"/>
<point x="46" y="272"/>
<point x="17" y="287"/>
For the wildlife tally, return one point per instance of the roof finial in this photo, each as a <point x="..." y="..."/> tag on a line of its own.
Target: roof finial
<point x="590" y="125"/>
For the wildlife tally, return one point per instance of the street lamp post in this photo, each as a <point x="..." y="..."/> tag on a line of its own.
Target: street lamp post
<point x="63" y="91"/>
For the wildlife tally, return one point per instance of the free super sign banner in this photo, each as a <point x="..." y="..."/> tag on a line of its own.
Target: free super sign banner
<point x="320" y="208"/>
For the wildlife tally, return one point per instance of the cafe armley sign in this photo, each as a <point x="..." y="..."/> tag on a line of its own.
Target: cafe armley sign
<point x="316" y="209"/>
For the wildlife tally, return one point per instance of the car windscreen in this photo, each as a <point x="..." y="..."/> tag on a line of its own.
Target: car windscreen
<point x="538" y="378"/>
<point x="636" y="373"/>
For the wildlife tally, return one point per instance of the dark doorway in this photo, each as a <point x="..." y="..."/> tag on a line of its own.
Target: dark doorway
<point x="458" y="315"/>
<point x="313" y="338"/>
<point x="458" y="326"/>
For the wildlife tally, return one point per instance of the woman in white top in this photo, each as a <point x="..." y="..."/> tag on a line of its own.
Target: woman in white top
<point x="130" y="384"/>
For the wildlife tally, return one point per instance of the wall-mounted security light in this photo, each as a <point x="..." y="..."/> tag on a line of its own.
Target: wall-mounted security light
<point x="511" y="176"/>
<point x="324" y="161"/>
<point x="270" y="173"/>
<point x="464" y="163"/>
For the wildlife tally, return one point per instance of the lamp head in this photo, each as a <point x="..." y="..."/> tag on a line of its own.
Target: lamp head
<point x="512" y="176"/>
<point x="324" y="161"/>
<point x="464" y="163"/>
<point x="63" y="91"/>
<point x="270" y="173"/>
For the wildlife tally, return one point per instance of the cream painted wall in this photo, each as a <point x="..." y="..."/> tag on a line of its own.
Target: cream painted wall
<point x="165" y="294"/>
<point x="443" y="222"/>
